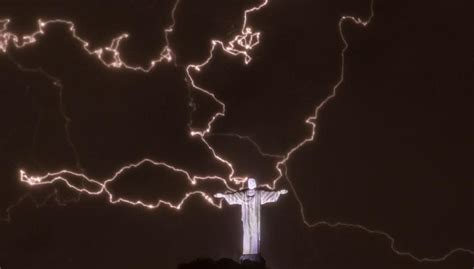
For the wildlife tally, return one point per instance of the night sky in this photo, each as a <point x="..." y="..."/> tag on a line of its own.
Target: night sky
<point x="393" y="151"/>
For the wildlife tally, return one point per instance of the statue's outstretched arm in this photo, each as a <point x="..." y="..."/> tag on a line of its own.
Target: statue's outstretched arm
<point x="233" y="198"/>
<point x="270" y="196"/>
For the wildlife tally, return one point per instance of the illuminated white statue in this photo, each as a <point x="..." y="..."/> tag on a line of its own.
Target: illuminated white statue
<point x="251" y="199"/>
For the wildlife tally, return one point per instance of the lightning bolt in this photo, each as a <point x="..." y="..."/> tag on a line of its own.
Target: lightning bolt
<point x="240" y="45"/>
<point x="370" y="231"/>
<point x="312" y="121"/>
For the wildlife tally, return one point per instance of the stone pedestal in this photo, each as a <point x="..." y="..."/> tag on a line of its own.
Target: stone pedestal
<point x="252" y="258"/>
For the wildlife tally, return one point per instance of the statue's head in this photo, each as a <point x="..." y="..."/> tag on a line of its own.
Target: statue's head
<point x="252" y="184"/>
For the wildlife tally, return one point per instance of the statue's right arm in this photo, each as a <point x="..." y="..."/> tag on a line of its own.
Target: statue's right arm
<point x="233" y="198"/>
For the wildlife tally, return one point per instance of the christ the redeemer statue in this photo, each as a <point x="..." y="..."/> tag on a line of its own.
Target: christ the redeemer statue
<point x="251" y="200"/>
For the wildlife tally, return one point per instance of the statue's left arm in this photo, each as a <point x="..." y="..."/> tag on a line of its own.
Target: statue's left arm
<point x="270" y="196"/>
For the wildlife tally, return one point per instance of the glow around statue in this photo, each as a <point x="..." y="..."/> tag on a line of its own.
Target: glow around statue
<point x="251" y="200"/>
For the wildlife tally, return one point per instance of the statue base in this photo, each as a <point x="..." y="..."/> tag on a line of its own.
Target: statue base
<point x="252" y="258"/>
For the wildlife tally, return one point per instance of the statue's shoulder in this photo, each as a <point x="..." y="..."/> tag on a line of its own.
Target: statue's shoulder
<point x="263" y="189"/>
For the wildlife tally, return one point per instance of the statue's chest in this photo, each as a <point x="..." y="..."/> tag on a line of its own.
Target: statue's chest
<point x="252" y="199"/>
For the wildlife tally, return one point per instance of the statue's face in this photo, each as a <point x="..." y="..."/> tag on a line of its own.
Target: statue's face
<point x="252" y="184"/>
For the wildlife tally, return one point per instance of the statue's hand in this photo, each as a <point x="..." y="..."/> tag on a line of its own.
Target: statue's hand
<point x="283" y="191"/>
<point x="219" y="195"/>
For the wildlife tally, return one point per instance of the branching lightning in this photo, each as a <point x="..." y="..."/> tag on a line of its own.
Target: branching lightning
<point x="383" y="234"/>
<point x="240" y="45"/>
<point x="98" y="187"/>
<point x="7" y="39"/>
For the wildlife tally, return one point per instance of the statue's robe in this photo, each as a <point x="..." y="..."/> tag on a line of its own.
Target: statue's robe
<point x="251" y="201"/>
